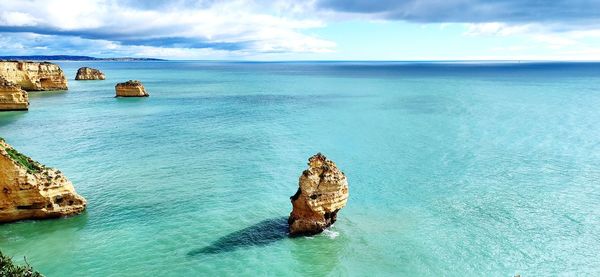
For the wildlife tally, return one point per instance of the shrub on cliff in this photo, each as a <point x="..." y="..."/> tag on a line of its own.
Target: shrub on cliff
<point x="31" y="165"/>
<point x="9" y="269"/>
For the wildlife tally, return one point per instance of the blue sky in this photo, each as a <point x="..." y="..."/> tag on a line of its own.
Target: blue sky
<point x="304" y="30"/>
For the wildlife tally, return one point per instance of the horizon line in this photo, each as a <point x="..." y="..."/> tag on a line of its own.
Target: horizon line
<point x="154" y="59"/>
<point x="398" y="61"/>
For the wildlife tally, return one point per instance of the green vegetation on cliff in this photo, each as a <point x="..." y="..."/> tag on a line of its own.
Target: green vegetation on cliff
<point x="9" y="269"/>
<point x="31" y="165"/>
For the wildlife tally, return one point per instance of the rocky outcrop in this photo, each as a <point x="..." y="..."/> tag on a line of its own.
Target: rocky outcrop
<point x="12" y="97"/>
<point x="86" y="73"/>
<point x="30" y="190"/>
<point x="322" y="192"/>
<point x="34" y="75"/>
<point x="131" y="88"/>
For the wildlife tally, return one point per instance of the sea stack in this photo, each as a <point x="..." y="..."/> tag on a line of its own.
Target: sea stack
<point x="30" y="190"/>
<point x="131" y="88"/>
<point x="87" y="73"/>
<point x="33" y="76"/>
<point x="12" y="97"/>
<point x="322" y="192"/>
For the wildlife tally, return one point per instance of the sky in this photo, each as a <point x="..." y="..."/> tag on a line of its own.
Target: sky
<point x="403" y="30"/>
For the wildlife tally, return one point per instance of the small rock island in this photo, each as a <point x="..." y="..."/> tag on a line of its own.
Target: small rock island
<point x="131" y="88"/>
<point x="87" y="73"/>
<point x="12" y="97"/>
<point x="322" y="192"/>
<point x="34" y="76"/>
<point x="30" y="190"/>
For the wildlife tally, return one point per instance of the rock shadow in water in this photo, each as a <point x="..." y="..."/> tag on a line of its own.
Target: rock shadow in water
<point x="9" y="117"/>
<point x="262" y="233"/>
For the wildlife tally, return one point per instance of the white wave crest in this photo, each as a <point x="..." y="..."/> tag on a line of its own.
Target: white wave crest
<point x="330" y="234"/>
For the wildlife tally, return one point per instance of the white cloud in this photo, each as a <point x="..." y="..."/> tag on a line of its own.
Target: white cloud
<point x="564" y="44"/>
<point x="17" y="19"/>
<point x="245" y="23"/>
<point x="495" y="28"/>
<point x="175" y="53"/>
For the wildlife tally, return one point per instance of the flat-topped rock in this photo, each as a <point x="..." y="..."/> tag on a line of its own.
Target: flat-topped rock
<point x="12" y="97"/>
<point x="322" y="192"/>
<point x="32" y="76"/>
<point x="131" y="88"/>
<point x="30" y="190"/>
<point x="87" y="73"/>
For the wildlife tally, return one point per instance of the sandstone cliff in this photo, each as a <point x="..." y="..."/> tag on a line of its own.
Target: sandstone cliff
<point x="30" y="190"/>
<point x="322" y="192"/>
<point x="12" y="97"/>
<point x="86" y="73"/>
<point x="131" y="88"/>
<point x="34" y="75"/>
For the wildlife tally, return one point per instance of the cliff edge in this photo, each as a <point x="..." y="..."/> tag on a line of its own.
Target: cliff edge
<point x="12" y="97"/>
<point x="30" y="190"/>
<point x="34" y="76"/>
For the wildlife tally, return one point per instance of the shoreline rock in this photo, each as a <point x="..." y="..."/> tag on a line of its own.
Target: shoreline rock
<point x="131" y="88"/>
<point x="30" y="190"/>
<point x="34" y="76"/>
<point x="12" y="97"/>
<point x="322" y="192"/>
<point x="87" y="73"/>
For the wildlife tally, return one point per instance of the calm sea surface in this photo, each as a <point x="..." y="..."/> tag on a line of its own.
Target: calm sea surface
<point x="454" y="169"/>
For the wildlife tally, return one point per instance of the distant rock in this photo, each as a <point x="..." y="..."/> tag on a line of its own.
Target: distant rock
<point x="131" y="88"/>
<point x="12" y="97"/>
<point x="32" y="76"/>
<point x="87" y="73"/>
<point x="322" y="192"/>
<point x="30" y="190"/>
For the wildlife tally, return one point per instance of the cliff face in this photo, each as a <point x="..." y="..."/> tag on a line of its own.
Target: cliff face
<point x="34" y="75"/>
<point x="30" y="190"/>
<point x="12" y="97"/>
<point x="131" y="88"/>
<point x="322" y="192"/>
<point x="86" y="73"/>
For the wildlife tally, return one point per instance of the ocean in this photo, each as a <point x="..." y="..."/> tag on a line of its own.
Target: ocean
<point x="454" y="169"/>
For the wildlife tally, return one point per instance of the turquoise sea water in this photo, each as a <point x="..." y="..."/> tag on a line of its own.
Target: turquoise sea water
<point x="454" y="169"/>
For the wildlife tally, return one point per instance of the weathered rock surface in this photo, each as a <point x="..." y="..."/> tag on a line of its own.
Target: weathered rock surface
<point x="12" y="97"/>
<point x="30" y="190"/>
<point x="34" y="75"/>
<point x="131" y="88"/>
<point x="322" y="192"/>
<point x="86" y="73"/>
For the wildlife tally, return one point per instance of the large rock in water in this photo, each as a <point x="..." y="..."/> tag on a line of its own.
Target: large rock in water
<point x="86" y="73"/>
<point x="30" y="190"/>
<point x="131" y="88"/>
<point x="34" y="75"/>
<point x="322" y="193"/>
<point x="12" y="97"/>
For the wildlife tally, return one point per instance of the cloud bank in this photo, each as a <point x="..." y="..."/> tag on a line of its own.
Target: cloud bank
<point x="247" y="28"/>
<point x="235" y="26"/>
<point x="473" y="11"/>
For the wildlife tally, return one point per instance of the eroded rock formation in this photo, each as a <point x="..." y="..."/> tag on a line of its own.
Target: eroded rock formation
<point x="322" y="192"/>
<point x="12" y="97"/>
<point x="34" y="75"/>
<point x="131" y="88"/>
<point x="30" y="190"/>
<point x="86" y="73"/>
